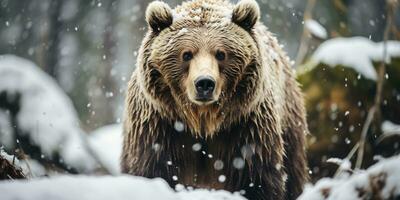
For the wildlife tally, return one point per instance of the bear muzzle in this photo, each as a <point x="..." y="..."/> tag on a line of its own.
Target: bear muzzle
<point x="205" y="86"/>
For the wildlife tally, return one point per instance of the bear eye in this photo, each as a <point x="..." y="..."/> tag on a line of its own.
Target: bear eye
<point x="220" y="55"/>
<point x="187" y="56"/>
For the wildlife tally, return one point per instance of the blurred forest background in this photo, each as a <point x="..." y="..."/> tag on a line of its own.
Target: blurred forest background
<point x="90" y="49"/>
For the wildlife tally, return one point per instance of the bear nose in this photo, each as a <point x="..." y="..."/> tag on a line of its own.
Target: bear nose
<point x="205" y="87"/>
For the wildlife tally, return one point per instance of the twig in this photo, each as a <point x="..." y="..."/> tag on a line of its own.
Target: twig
<point x="348" y="157"/>
<point x="375" y="109"/>
<point x="9" y="171"/>
<point x="353" y="151"/>
<point x="23" y="156"/>
<point x="364" y="131"/>
<point x="305" y="37"/>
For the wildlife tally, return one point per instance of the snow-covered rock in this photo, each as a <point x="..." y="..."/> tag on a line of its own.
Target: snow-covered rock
<point x="103" y="188"/>
<point x="356" y="52"/>
<point x="380" y="181"/>
<point x="106" y="143"/>
<point x="46" y="113"/>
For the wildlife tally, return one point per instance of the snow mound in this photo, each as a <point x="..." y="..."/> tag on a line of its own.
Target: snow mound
<point x="316" y="29"/>
<point x="356" y="52"/>
<point x="102" y="188"/>
<point x="380" y="181"/>
<point x="106" y="143"/>
<point x="46" y="112"/>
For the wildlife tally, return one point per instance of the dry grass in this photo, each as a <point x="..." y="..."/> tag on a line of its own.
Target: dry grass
<point x="8" y="171"/>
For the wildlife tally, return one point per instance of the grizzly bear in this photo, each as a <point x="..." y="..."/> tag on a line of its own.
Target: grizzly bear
<point x="213" y="103"/>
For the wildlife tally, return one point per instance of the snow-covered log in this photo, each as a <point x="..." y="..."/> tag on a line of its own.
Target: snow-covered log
<point x="37" y="115"/>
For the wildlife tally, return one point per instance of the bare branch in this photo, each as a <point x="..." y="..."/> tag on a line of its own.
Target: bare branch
<point x="375" y="109"/>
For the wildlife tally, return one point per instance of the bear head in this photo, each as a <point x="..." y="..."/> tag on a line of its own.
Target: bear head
<point x="198" y="60"/>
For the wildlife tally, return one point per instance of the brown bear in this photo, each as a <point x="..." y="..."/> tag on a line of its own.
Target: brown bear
<point x="213" y="103"/>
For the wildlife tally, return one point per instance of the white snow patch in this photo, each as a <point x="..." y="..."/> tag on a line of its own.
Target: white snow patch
<point x="179" y="15"/>
<point x="316" y="29"/>
<point x="46" y="112"/>
<point x="103" y="188"/>
<point x="182" y="31"/>
<point x="106" y="142"/>
<point x="356" y="53"/>
<point x="344" y="164"/>
<point x="220" y="12"/>
<point x="348" y="189"/>
<point x="390" y="128"/>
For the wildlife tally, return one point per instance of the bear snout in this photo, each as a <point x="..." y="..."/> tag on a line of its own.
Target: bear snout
<point x="205" y="86"/>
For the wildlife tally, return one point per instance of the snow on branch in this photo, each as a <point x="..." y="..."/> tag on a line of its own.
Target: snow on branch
<point x="356" y="52"/>
<point x="316" y="29"/>
<point x="389" y="128"/>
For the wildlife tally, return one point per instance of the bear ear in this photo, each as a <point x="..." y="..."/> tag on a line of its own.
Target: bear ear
<point x="246" y="13"/>
<point x="158" y="15"/>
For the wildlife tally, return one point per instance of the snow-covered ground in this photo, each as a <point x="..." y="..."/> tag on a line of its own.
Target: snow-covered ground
<point x="355" y="52"/>
<point x="46" y="113"/>
<point x="103" y="188"/>
<point x="380" y="181"/>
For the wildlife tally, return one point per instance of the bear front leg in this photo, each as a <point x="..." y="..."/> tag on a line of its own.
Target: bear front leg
<point x="274" y="181"/>
<point x="145" y="150"/>
<point x="267" y="185"/>
<point x="154" y="148"/>
<point x="295" y="161"/>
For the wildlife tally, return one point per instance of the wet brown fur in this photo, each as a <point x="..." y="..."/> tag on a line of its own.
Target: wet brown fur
<point x="258" y="117"/>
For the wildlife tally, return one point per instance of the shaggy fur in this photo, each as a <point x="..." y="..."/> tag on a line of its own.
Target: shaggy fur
<point x="259" y="116"/>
